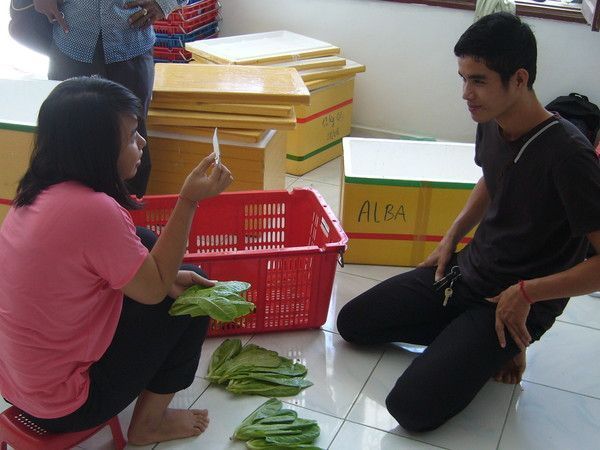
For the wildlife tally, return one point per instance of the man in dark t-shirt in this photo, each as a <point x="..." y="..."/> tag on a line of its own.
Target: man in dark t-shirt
<point x="536" y="207"/>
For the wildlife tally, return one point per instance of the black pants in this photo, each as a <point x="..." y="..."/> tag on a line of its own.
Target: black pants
<point x="151" y="350"/>
<point x="462" y="346"/>
<point x="136" y="74"/>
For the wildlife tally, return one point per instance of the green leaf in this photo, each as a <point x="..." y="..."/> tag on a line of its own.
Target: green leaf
<point x="286" y="367"/>
<point x="228" y="349"/>
<point x="308" y="435"/>
<point x="264" y="388"/>
<point x="283" y="380"/>
<point x="260" y="430"/>
<point x="250" y="357"/>
<point x="221" y="302"/>
<point x="283" y="416"/>
<point x="270" y="426"/>
<point x="267" y="409"/>
<point x="261" y="444"/>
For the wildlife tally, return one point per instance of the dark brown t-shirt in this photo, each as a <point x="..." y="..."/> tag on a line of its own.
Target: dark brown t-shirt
<point x="541" y="207"/>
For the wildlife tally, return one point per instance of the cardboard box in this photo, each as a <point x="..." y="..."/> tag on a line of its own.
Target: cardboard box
<point x="21" y="101"/>
<point x="320" y="127"/>
<point x="255" y="166"/>
<point x="399" y="197"/>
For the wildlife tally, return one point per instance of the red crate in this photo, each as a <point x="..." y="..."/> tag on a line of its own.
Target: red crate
<point x="172" y="54"/>
<point x="193" y="10"/>
<point x="186" y="26"/>
<point x="285" y="244"/>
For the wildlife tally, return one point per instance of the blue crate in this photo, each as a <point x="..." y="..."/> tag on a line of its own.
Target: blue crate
<point x="179" y="40"/>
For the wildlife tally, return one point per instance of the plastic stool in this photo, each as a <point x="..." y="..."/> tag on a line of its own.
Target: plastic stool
<point x="22" y="434"/>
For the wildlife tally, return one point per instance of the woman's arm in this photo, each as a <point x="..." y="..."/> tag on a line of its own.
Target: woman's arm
<point x="155" y="277"/>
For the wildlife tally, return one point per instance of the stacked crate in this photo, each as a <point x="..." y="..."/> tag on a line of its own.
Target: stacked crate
<point x="248" y="105"/>
<point x="197" y="20"/>
<point x="330" y="79"/>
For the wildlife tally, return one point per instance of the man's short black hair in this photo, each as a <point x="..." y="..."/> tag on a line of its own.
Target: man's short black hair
<point x="503" y="43"/>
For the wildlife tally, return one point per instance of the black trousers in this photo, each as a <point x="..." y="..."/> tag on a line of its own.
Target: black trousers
<point x="136" y="74"/>
<point x="462" y="346"/>
<point x="151" y="350"/>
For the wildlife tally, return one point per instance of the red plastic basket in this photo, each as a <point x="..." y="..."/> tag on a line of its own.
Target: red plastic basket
<point x="285" y="244"/>
<point x="186" y="26"/>
<point x="190" y="11"/>
<point x="172" y="54"/>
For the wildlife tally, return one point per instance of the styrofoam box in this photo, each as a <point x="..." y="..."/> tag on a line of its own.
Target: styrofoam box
<point x="399" y="197"/>
<point x="21" y="101"/>
<point x="254" y="166"/>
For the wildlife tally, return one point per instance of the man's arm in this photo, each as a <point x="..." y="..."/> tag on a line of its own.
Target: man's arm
<point x="467" y="219"/>
<point x="578" y="280"/>
<point x="513" y="302"/>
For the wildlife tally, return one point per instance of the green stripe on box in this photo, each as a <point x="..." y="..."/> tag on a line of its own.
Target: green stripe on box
<point x="409" y="183"/>
<point x="313" y="153"/>
<point x="17" y="127"/>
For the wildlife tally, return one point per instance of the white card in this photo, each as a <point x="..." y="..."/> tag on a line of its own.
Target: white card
<point x="216" y="149"/>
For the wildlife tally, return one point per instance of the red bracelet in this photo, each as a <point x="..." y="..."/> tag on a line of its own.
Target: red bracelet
<point x="527" y="298"/>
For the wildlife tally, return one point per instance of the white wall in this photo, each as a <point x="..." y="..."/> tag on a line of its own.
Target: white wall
<point x="411" y="84"/>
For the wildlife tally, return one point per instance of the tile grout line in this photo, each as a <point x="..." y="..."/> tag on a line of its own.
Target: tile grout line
<point x="578" y="325"/>
<point x="410" y="438"/>
<point x="344" y="419"/>
<point x="506" y="416"/>
<point x="364" y="384"/>
<point x="562" y="390"/>
<point x="359" y="276"/>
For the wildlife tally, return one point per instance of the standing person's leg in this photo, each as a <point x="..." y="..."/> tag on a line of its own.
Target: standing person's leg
<point x="137" y="75"/>
<point x="61" y="67"/>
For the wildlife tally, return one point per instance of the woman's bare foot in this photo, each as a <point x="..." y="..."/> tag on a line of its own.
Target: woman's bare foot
<point x="513" y="370"/>
<point x="175" y="424"/>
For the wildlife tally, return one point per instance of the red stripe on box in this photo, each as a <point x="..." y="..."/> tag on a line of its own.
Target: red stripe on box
<point x="322" y="113"/>
<point x="401" y="237"/>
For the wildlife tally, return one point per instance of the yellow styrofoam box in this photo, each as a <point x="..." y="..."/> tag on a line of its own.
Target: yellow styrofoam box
<point x="254" y="166"/>
<point x="21" y="101"/>
<point x="399" y="197"/>
<point x="320" y="127"/>
<point x="260" y="48"/>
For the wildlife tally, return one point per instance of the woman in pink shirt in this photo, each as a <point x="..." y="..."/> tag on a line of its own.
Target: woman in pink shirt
<point x="84" y="300"/>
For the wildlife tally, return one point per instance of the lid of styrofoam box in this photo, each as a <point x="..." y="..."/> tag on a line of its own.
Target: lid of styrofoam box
<point x="21" y="101"/>
<point x="385" y="161"/>
<point x="257" y="47"/>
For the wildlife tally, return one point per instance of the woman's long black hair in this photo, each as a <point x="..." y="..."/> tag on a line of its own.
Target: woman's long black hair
<point x="79" y="139"/>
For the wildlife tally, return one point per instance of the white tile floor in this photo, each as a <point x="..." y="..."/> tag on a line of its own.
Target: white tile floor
<point x="556" y="407"/>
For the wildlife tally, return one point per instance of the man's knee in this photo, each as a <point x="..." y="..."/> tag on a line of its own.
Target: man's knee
<point x="348" y="326"/>
<point x="413" y="410"/>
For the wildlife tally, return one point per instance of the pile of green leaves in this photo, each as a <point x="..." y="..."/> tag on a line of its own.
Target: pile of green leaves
<point x="222" y="302"/>
<point x="272" y="427"/>
<point x="255" y="370"/>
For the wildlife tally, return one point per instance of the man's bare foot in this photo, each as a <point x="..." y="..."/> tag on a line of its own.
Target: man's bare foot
<point x="176" y="424"/>
<point x="513" y="370"/>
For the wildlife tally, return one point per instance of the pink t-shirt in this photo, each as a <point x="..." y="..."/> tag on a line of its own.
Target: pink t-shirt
<point x="63" y="261"/>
